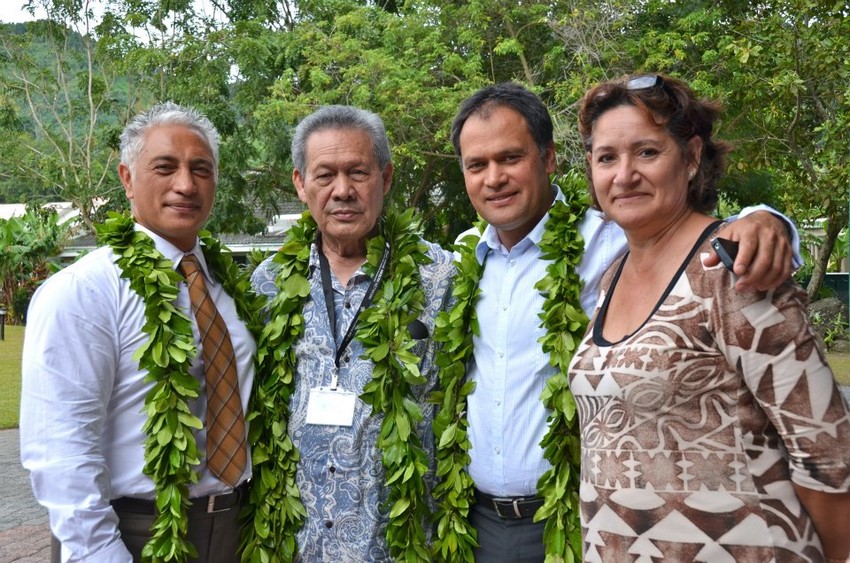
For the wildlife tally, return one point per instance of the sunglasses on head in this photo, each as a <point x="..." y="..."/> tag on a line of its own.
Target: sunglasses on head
<point x="642" y="82"/>
<point x="646" y="81"/>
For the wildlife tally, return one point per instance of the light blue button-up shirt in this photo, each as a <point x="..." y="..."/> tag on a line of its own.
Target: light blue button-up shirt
<point x="507" y="419"/>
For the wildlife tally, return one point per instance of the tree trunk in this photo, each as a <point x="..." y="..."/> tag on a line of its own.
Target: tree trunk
<point x="833" y="228"/>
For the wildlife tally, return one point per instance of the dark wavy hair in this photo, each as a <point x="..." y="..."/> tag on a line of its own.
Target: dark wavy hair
<point x="670" y="103"/>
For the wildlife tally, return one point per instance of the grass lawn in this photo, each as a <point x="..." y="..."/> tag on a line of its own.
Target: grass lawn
<point x="840" y="364"/>
<point x="10" y="374"/>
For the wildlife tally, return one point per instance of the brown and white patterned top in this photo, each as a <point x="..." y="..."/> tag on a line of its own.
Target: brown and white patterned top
<point x="694" y="426"/>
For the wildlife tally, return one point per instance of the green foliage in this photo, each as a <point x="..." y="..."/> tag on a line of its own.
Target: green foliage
<point x="253" y="259"/>
<point x="565" y="323"/>
<point x="782" y="70"/>
<point x="456" y="538"/>
<point x="10" y="376"/>
<point x="840" y="252"/>
<point x="780" y="67"/>
<point x="833" y="328"/>
<point x="837" y="331"/>
<point x="388" y="64"/>
<point x="275" y="512"/>
<point x="28" y="245"/>
<point x="62" y="114"/>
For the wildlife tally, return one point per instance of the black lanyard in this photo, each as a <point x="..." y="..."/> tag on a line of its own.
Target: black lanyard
<point x="327" y="289"/>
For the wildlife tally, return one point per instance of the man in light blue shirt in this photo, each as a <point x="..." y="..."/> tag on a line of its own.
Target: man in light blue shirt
<point x="503" y="135"/>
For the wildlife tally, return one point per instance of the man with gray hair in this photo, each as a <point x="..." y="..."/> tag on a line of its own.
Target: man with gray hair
<point x="138" y="366"/>
<point x="362" y="363"/>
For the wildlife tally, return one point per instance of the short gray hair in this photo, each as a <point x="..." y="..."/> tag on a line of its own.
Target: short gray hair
<point x="340" y="117"/>
<point x="166" y="113"/>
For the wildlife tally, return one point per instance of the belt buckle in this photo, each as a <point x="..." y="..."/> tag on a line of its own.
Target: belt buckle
<point x="516" y="507"/>
<point x="211" y="504"/>
<point x="514" y="502"/>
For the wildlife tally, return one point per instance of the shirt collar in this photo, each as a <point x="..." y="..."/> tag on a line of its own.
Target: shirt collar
<point x="175" y="254"/>
<point x="490" y="239"/>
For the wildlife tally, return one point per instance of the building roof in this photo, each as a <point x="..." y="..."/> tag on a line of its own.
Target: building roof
<point x="238" y="244"/>
<point x="65" y="210"/>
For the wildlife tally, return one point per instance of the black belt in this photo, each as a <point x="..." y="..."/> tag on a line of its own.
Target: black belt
<point x="516" y="508"/>
<point x="205" y="505"/>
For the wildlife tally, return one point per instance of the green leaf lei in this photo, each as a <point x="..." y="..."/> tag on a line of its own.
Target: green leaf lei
<point x="565" y="324"/>
<point x="171" y="451"/>
<point x="278" y="513"/>
<point x="455" y="538"/>
<point x="275" y="511"/>
<point x="387" y="343"/>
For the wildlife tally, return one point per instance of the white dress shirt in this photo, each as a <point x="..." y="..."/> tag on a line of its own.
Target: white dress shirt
<point x="507" y="420"/>
<point x="83" y="396"/>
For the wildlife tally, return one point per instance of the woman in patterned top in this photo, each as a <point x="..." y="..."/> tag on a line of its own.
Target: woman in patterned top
<point x="712" y="427"/>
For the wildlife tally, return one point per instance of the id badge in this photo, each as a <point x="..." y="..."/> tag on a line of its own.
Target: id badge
<point x="331" y="407"/>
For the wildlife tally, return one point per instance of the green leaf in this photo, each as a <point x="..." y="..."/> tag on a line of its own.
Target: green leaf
<point x="400" y="506"/>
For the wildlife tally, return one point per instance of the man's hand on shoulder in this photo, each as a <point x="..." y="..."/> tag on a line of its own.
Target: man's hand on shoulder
<point x="764" y="254"/>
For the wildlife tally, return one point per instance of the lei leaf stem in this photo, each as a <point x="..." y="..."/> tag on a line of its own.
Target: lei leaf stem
<point x="275" y="512"/>
<point x="396" y="371"/>
<point x="455" y="538"/>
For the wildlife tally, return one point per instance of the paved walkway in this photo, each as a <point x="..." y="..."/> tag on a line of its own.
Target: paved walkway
<point x="24" y="536"/>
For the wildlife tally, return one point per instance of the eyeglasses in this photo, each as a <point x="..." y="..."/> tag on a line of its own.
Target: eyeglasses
<point x="636" y="84"/>
<point x="646" y="81"/>
<point x="650" y="81"/>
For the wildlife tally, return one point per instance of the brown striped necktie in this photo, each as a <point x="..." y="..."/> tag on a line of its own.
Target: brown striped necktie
<point x="226" y="445"/>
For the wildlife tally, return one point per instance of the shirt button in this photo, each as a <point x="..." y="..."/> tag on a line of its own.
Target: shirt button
<point x="346" y="358"/>
<point x="347" y="305"/>
<point x="497" y="450"/>
<point x="332" y="469"/>
<point x="500" y="354"/>
<point x="329" y="524"/>
<point x="498" y="402"/>
<point x="504" y="307"/>
<point x="513" y="262"/>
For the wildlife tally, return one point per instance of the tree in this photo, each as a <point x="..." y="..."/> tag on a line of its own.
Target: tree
<point x="782" y="69"/>
<point x="256" y="67"/>
<point x="63" y="99"/>
<point x="396" y="65"/>
<point x="28" y="245"/>
<point x="412" y="66"/>
<point x="107" y="61"/>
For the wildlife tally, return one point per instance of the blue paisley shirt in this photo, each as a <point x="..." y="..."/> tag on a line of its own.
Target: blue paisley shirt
<point x="340" y="475"/>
